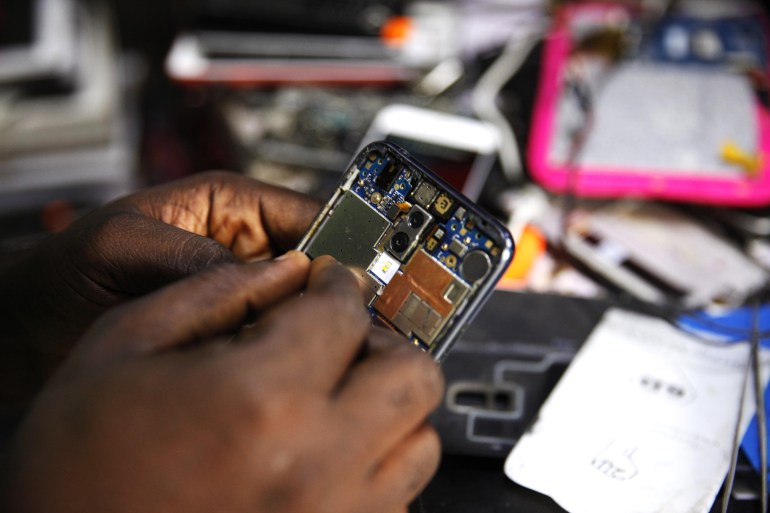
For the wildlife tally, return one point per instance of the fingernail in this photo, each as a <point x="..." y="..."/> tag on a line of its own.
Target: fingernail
<point x="291" y="255"/>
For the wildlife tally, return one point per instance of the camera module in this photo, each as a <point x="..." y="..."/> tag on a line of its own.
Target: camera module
<point x="416" y="219"/>
<point x="399" y="242"/>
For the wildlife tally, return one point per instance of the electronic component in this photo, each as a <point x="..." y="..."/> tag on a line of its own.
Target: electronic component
<point x="443" y="206"/>
<point x="352" y="230"/>
<point x="371" y="288"/>
<point x="386" y="177"/>
<point x="384" y="268"/>
<point x="457" y="247"/>
<point x="475" y="266"/>
<point x="422" y="298"/>
<point x="423" y="271"/>
<point x="393" y="211"/>
<point x="424" y="194"/>
<point x="406" y="234"/>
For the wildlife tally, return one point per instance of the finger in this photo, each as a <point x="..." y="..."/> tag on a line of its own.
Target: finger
<point x="252" y="219"/>
<point x="287" y="215"/>
<point x="313" y="339"/>
<point x="406" y="470"/>
<point x="203" y="306"/>
<point x="389" y="393"/>
<point x="144" y="253"/>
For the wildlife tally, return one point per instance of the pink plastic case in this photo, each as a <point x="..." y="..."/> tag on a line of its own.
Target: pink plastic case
<point x="593" y="181"/>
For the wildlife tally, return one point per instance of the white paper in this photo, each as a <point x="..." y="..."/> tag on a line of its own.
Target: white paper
<point x="642" y="421"/>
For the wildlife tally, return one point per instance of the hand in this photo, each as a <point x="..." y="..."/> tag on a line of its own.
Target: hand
<point x="140" y="243"/>
<point x="160" y="409"/>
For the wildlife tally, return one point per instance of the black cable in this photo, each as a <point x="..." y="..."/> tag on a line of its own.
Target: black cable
<point x="578" y="140"/>
<point x="727" y="489"/>
<point x="759" y="397"/>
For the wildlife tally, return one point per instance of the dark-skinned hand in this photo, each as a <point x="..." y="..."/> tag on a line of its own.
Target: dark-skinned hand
<point x="128" y="248"/>
<point x="160" y="408"/>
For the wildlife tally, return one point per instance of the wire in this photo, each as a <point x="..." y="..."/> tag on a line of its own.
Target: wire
<point x="760" y="404"/>
<point x="753" y="369"/>
<point x="584" y="97"/>
<point x="488" y="88"/>
<point x="730" y="480"/>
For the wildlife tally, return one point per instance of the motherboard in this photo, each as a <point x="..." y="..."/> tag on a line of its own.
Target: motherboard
<point x="423" y="251"/>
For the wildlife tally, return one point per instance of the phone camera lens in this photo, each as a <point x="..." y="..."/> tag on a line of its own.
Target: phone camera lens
<point x="416" y="219"/>
<point x="399" y="242"/>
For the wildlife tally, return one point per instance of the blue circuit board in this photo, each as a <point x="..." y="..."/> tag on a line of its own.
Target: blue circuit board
<point x="463" y="232"/>
<point x="379" y="198"/>
<point x="449" y="240"/>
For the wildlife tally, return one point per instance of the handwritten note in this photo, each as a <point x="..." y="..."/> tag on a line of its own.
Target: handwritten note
<point x="642" y="421"/>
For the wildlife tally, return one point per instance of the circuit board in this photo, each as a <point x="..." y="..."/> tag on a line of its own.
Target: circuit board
<point x="426" y="254"/>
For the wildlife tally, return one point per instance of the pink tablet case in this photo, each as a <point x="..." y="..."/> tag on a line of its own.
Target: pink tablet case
<point x="596" y="182"/>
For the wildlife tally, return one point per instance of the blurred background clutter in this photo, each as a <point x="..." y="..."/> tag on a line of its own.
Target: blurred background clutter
<point x="626" y="144"/>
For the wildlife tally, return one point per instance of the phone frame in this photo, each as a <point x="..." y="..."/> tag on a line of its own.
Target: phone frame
<point x="461" y="318"/>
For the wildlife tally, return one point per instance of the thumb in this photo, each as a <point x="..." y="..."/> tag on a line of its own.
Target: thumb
<point x="210" y="304"/>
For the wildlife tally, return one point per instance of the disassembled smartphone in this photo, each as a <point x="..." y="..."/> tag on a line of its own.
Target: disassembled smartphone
<point x="428" y="255"/>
